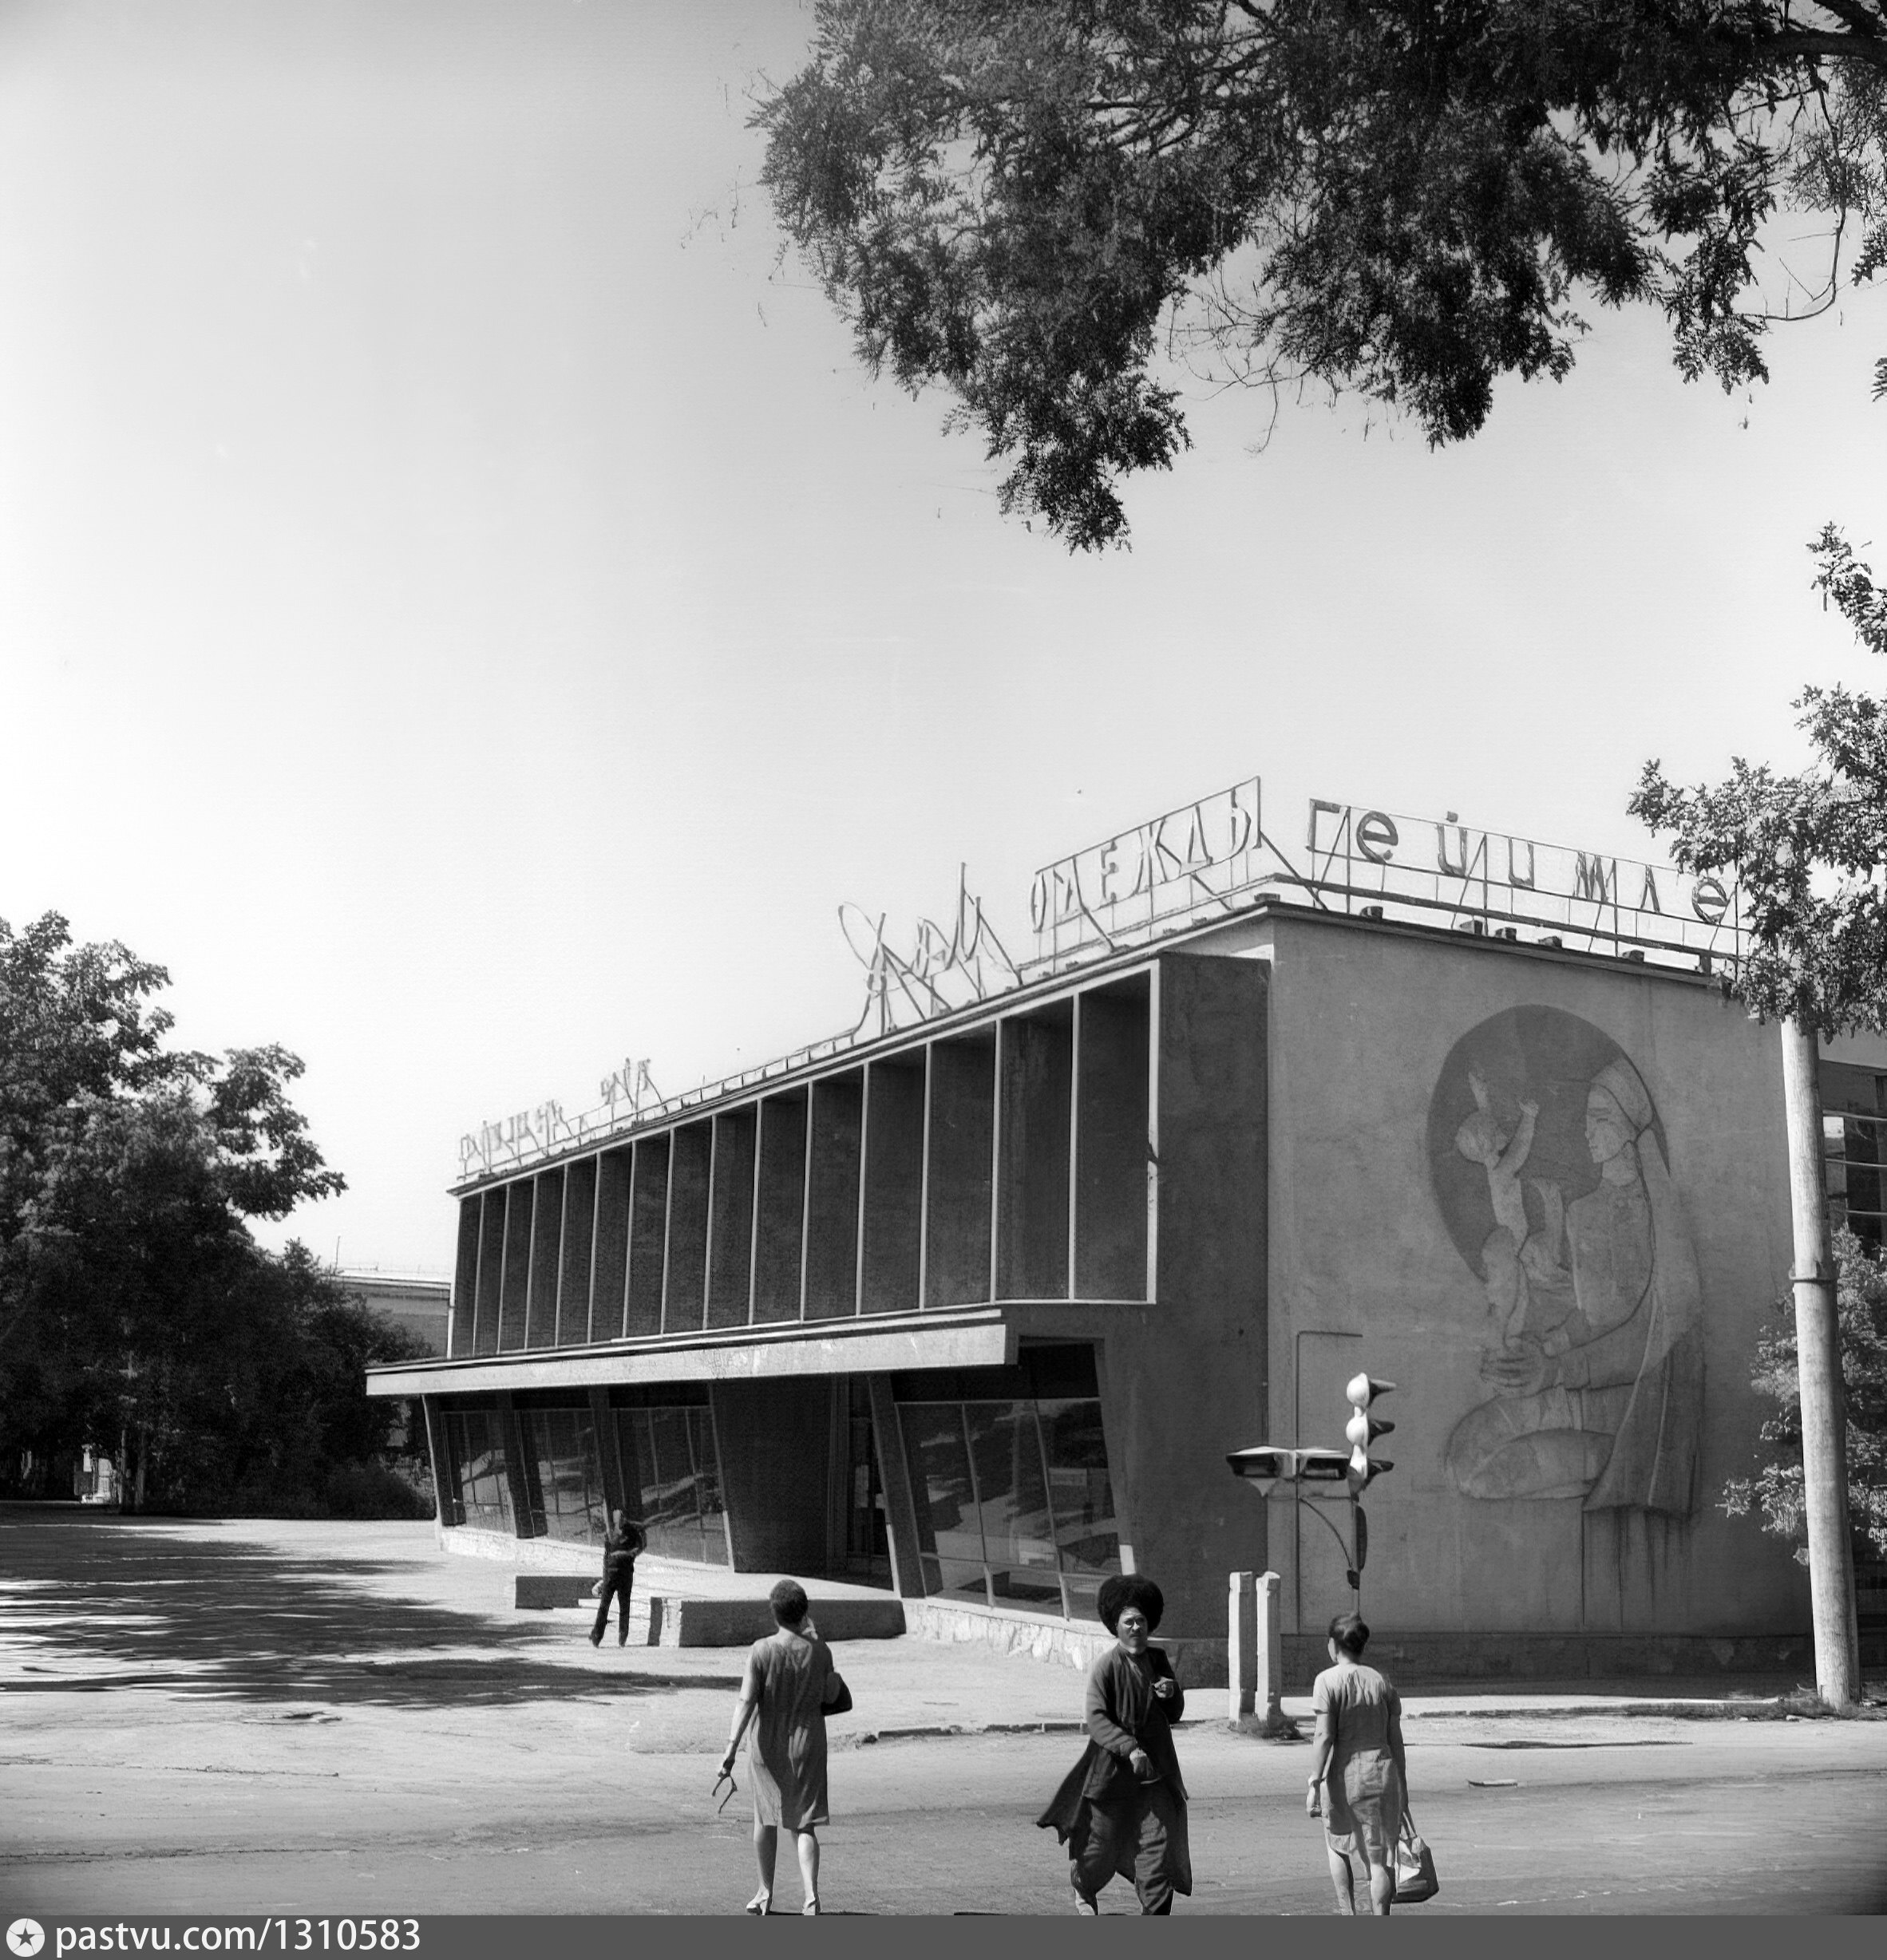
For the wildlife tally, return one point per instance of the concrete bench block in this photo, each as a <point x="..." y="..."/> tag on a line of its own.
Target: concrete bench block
<point x="537" y="1592"/>
<point x="677" y="1622"/>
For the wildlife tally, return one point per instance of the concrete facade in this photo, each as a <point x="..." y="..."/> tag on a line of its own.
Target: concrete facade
<point x="1365" y="1272"/>
<point x="1193" y="1188"/>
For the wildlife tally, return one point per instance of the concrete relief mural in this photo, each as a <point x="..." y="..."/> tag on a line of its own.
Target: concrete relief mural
<point x="1553" y="1173"/>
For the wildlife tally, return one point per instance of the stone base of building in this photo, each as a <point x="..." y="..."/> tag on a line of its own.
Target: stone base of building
<point x="1071" y="1643"/>
<point x="533" y="1554"/>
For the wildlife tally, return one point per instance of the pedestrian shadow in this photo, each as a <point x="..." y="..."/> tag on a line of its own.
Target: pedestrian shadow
<point x="94" y="1606"/>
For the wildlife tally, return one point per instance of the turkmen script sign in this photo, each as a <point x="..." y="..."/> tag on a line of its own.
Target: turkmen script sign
<point x="1209" y="858"/>
<point x="1206" y="860"/>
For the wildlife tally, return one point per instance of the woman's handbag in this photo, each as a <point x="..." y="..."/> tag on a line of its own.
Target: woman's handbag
<point x="1415" y="1879"/>
<point x="839" y="1700"/>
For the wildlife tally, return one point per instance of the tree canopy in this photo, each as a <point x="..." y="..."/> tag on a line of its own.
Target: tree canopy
<point x="1034" y="203"/>
<point x="138" y="1313"/>
<point x="1808" y="851"/>
<point x="1775" y="1492"/>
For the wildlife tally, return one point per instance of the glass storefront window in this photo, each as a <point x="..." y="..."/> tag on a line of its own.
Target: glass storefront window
<point x="563" y="1475"/>
<point x="1018" y="1544"/>
<point x="949" y="1541"/>
<point x="1081" y="1495"/>
<point x="1015" y="1506"/>
<point x="475" y="1437"/>
<point x="679" y="1467"/>
<point x="707" y="1486"/>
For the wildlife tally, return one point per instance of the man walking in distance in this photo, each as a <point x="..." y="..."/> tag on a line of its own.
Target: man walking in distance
<point x="621" y="1544"/>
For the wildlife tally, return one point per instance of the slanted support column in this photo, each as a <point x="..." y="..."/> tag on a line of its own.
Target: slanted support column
<point x="894" y="1476"/>
<point x="442" y="1491"/>
<point x="512" y="1429"/>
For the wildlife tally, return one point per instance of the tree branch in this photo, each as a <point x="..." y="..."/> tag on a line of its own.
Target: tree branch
<point x="1799" y="43"/>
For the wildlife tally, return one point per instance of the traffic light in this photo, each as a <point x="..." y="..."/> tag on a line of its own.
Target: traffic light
<point x="1362" y="1430"/>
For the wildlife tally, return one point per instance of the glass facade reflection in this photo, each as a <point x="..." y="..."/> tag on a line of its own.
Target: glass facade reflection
<point x="1015" y="1506"/>
<point x="475" y="1440"/>
<point x="678" y="1465"/>
<point x="562" y="1478"/>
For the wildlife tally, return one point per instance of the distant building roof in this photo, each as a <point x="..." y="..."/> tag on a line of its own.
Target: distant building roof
<point x="420" y="1301"/>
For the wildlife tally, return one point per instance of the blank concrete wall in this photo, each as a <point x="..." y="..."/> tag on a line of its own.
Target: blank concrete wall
<point x="962" y="1120"/>
<point x="684" y="1296"/>
<point x="648" y="1226"/>
<point x="780" y="1207"/>
<point x="514" y="1293"/>
<point x="573" y="1280"/>
<point x="1184" y="1380"/>
<point x="832" y="1196"/>
<point x="892" y="1195"/>
<point x="1110" y="1153"/>
<point x="464" y="1280"/>
<point x="1036" y="1075"/>
<point x="547" y="1228"/>
<point x="491" y="1270"/>
<point x="612" y="1243"/>
<point x="1213" y="1128"/>
<point x="730" y="1219"/>
<point x="775" y="1441"/>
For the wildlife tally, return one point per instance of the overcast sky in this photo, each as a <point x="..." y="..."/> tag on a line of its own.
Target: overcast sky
<point x="465" y="613"/>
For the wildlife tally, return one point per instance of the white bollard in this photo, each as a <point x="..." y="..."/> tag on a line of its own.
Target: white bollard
<point x="1269" y="1680"/>
<point x="1241" y="1643"/>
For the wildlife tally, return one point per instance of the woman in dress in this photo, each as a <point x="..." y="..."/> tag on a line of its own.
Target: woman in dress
<point x="1358" y="1774"/>
<point x="1122" y="1808"/>
<point x="788" y="1681"/>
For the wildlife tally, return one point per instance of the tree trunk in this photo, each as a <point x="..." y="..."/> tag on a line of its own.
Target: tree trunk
<point x="1818" y="1362"/>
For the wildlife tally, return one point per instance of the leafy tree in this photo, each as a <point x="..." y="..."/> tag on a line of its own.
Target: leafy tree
<point x="136" y="1311"/>
<point x="1030" y="202"/>
<point x="1807" y="850"/>
<point x="1776" y="1490"/>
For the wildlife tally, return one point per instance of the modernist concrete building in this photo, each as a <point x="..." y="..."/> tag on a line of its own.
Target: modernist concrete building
<point x="973" y="1307"/>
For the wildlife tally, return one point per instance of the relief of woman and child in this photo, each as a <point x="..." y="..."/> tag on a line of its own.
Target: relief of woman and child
<point x="1594" y="1342"/>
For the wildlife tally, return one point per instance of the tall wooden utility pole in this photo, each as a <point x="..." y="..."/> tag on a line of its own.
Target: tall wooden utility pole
<point x="1818" y="1362"/>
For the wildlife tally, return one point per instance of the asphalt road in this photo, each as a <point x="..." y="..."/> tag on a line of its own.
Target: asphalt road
<point x="139" y="1800"/>
<point x="165" y="1749"/>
